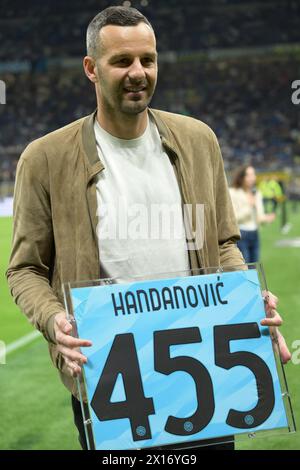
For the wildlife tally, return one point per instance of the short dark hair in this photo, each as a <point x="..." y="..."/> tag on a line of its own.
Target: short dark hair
<point x="117" y="15"/>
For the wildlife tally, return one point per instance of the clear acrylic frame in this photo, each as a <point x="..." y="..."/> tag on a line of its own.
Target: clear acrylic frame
<point x="81" y="381"/>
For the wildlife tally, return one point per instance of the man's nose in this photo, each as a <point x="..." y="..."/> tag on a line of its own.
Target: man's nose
<point x="136" y="71"/>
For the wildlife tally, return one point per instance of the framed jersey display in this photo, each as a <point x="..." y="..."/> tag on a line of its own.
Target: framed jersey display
<point x="178" y="358"/>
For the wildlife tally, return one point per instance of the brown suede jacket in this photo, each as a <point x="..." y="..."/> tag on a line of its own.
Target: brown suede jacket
<point x="55" y="207"/>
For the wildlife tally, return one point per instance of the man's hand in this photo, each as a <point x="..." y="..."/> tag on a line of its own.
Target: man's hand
<point x="274" y="320"/>
<point x="69" y="346"/>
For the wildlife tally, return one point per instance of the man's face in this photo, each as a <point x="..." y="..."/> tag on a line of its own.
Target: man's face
<point x="127" y="68"/>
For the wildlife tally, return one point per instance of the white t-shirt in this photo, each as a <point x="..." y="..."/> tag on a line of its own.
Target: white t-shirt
<point x="140" y="224"/>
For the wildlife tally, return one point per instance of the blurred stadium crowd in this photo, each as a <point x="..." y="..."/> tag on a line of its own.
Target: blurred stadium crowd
<point x="229" y="63"/>
<point x="53" y="28"/>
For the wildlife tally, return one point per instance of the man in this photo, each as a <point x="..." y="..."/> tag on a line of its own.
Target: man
<point x="66" y="180"/>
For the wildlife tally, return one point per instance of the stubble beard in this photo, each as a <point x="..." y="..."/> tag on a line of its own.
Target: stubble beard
<point x="119" y="106"/>
<point x="117" y="103"/>
<point x="134" y="107"/>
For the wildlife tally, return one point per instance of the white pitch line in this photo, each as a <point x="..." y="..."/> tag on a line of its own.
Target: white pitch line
<point x="19" y="343"/>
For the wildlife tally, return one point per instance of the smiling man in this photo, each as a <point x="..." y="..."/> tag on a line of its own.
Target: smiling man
<point x="123" y="66"/>
<point x="75" y="184"/>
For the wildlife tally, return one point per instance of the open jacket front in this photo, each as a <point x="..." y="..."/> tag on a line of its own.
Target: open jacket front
<point x="55" y="211"/>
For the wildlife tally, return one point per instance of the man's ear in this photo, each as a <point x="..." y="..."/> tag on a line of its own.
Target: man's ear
<point x="90" y="68"/>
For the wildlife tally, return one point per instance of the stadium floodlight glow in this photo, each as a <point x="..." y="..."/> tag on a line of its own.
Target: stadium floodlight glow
<point x="127" y="4"/>
<point x="2" y="92"/>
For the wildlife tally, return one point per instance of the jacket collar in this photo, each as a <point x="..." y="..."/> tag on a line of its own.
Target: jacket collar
<point x="89" y="141"/>
<point x="166" y="136"/>
<point x="89" y="146"/>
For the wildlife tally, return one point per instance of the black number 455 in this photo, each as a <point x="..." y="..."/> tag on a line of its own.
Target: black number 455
<point x="123" y="360"/>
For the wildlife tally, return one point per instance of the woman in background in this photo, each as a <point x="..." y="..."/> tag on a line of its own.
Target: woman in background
<point x="249" y="211"/>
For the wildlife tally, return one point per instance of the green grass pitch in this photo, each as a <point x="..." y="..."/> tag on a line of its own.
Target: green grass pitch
<point x="35" y="408"/>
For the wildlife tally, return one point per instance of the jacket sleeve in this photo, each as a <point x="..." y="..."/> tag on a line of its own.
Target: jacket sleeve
<point x="228" y="231"/>
<point x="32" y="257"/>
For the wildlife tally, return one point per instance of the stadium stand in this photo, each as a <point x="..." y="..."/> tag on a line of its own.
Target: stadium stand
<point x="33" y="30"/>
<point x="233" y="70"/>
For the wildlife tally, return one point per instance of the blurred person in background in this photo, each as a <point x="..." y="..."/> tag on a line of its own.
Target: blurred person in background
<point x="249" y="210"/>
<point x="271" y="192"/>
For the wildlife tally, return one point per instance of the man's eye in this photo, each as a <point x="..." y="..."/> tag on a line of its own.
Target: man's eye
<point x="148" y="60"/>
<point x="123" y="62"/>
